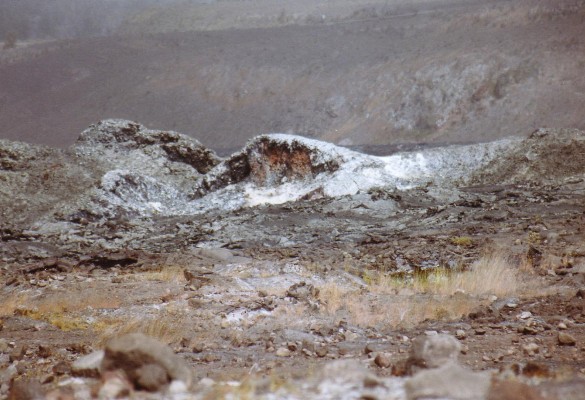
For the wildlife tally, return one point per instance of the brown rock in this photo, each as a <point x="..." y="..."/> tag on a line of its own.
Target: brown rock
<point x="132" y="351"/>
<point x="17" y="354"/>
<point x="26" y="390"/>
<point x="383" y="360"/>
<point x="61" y="368"/>
<point x="369" y="348"/>
<point x="512" y="390"/>
<point x="322" y="351"/>
<point x="44" y="351"/>
<point x="566" y="340"/>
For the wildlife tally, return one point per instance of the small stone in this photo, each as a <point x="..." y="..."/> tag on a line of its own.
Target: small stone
<point x="321" y="351"/>
<point x="197" y="347"/>
<point x="528" y="330"/>
<point x="383" y="360"/>
<point x="562" y="326"/>
<point x="531" y="349"/>
<point x="4" y="348"/>
<point x="486" y="358"/>
<point x="283" y="352"/>
<point x="225" y="323"/>
<point x="525" y="315"/>
<point x="566" y="340"/>
<point x="511" y="305"/>
<point x="61" y="368"/>
<point x="44" y="351"/>
<point x="17" y="353"/>
<point x="460" y="334"/>
<point x="369" y="348"/>
<point x="431" y="333"/>
<point x="480" y="331"/>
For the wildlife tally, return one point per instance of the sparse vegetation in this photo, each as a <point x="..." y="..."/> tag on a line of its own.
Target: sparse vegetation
<point x="163" y="327"/>
<point x="438" y="293"/>
<point x="463" y="241"/>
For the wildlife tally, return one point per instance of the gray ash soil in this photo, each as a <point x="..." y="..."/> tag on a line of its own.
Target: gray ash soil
<point x="248" y="295"/>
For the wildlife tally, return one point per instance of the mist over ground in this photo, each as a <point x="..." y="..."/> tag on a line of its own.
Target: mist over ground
<point x="59" y="19"/>
<point x="352" y="72"/>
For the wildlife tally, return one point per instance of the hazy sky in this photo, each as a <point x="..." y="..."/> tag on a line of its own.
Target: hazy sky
<point x="37" y="19"/>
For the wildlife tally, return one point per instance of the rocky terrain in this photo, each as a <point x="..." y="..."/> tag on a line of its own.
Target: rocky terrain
<point x="138" y="263"/>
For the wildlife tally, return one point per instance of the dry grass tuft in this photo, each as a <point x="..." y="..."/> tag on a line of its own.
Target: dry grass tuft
<point x="332" y="296"/>
<point x="438" y="294"/>
<point x="167" y="328"/>
<point x="168" y="273"/>
<point x="10" y="303"/>
<point x="492" y="274"/>
<point x="58" y="309"/>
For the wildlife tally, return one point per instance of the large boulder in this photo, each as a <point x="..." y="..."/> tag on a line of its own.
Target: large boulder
<point x="124" y="138"/>
<point x="434" y="351"/>
<point x="148" y="363"/>
<point x="450" y="381"/>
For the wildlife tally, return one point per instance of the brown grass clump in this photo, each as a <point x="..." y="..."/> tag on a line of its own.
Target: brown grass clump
<point x="58" y="309"/>
<point x="172" y="273"/>
<point x="492" y="274"/>
<point x="9" y="304"/>
<point x="166" y="328"/>
<point x="440" y="294"/>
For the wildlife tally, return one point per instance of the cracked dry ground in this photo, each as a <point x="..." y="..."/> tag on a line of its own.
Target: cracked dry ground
<point x="297" y="293"/>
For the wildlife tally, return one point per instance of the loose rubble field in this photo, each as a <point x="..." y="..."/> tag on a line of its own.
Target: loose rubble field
<point x="466" y="282"/>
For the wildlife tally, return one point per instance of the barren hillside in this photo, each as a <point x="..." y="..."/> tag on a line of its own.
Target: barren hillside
<point x="372" y="74"/>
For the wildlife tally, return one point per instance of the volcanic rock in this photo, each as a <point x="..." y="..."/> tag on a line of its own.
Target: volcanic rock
<point x="26" y="390"/>
<point x="89" y="365"/>
<point x="434" y="351"/>
<point x="450" y="381"/>
<point x="133" y="351"/>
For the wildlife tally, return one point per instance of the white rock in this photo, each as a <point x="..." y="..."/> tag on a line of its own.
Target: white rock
<point x="525" y="315"/>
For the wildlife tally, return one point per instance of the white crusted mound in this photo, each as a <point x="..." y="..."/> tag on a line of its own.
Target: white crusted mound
<point x="279" y="168"/>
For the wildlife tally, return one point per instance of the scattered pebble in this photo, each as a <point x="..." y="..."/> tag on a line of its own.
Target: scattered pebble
<point x="460" y="334"/>
<point x="531" y="348"/>
<point x="383" y="360"/>
<point x="283" y="352"/>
